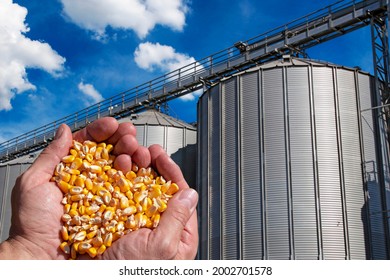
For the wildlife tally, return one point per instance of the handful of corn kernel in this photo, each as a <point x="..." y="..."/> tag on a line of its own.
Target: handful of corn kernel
<point x="102" y="204"/>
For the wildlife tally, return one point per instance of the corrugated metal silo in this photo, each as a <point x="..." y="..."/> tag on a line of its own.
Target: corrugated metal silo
<point x="9" y="172"/>
<point x="280" y="175"/>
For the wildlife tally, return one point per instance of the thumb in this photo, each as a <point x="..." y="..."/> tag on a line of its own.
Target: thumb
<point x="173" y="222"/>
<point x="43" y="167"/>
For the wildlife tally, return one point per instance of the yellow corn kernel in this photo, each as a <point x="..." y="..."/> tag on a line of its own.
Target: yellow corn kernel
<point x="92" y="252"/>
<point x="67" y="208"/>
<point x="91" y="234"/>
<point x="131" y="175"/>
<point x="97" y="241"/>
<point x="64" y="186"/>
<point x="95" y="169"/>
<point x="72" y="179"/>
<point x="108" y="239"/>
<point x="129" y="210"/>
<point x="124" y="202"/>
<point x="162" y="206"/>
<point x="73" y="152"/>
<point x="165" y="187"/>
<point x="149" y="223"/>
<point x="80" y="236"/>
<point x="80" y="181"/>
<point x="91" y="209"/>
<point x="107" y="198"/>
<point x="101" y="249"/>
<point x="108" y="215"/>
<point x="102" y="208"/>
<point x="74" y="172"/>
<point x="155" y="191"/>
<point x="156" y="220"/>
<point x="109" y="148"/>
<point x="146" y="203"/>
<point x="65" y="176"/>
<point x="82" y="210"/>
<point x="152" y="210"/>
<point x="77" y="197"/>
<point x="89" y="157"/>
<point x="75" y="190"/>
<point x="64" y="233"/>
<point x="73" y="212"/>
<point x="73" y="251"/>
<point x="123" y="185"/>
<point x="160" y="180"/>
<point x="83" y="247"/>
<point x="173" y="188"/>
<point x="68" y="159"/>
<point x="65" y="248"/>
<point x="88" y="184"/>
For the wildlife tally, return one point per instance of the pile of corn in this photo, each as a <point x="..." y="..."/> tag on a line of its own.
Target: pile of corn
<point x="101" y="204"/>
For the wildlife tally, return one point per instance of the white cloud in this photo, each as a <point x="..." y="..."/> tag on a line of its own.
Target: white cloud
<point x="93" y="96"/>
<point x="139" y="15"/>
<point x="17" y="53"/>
<point x="151" y="57"/>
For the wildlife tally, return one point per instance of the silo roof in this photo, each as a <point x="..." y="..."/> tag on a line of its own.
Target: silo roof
<point x="288" y="60"/>
<point x="154" y="117"/>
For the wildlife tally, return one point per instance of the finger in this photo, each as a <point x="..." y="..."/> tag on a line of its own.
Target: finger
<point x="123" y="162"/>
<point x="167" y="235"/>
<point x="127" y="144"/>
<point x="43" y="167"/>
<point x="166" y="167"/>
<point x="142" y="157"/>
<point x="100" y="130"/>
<point x="123" y="129"/>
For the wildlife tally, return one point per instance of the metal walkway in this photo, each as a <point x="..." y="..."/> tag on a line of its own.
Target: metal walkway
<point x="292" y="38"/>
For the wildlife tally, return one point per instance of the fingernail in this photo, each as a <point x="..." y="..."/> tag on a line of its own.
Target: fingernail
<point x="59" y="132"/>
<point x="189" y="197"/>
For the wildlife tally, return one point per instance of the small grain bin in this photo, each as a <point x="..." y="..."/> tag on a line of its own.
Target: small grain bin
<point x="175" y="136"/>
<point x="9" y="172"/>
<point x="292" y="165"/>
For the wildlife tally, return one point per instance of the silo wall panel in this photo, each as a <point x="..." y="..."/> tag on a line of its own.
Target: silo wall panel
<point x="230" y="168"/>
<point x="275" y="172"/>
<point x="332" y="225"/>
<point x="203" y="179"/>
<point x="156" y="135"/>
<point x="303" y="183"/>
<point x="251" y="167"/>
<point x="215" y="188"/>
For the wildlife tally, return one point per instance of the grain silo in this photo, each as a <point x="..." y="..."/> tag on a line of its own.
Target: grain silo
<point x="9" y="172"/>
<point x="292" y="165"/>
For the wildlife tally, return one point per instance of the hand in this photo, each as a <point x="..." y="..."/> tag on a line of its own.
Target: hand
<point x="37" y="211"/>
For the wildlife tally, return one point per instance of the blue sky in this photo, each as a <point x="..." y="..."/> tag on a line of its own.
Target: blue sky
<point x="60" y="56"/>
